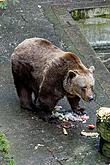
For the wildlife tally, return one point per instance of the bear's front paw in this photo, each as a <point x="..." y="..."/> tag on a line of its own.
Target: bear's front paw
<point x="30" y="107"/>
<point x="47" y="117"/>
<point x="79" y="110"/>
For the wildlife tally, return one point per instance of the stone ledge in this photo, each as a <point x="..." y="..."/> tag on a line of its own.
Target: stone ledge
<point x="68" y="31"/>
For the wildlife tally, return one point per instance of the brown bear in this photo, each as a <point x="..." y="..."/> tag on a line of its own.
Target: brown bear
<point x="41" y="68"/>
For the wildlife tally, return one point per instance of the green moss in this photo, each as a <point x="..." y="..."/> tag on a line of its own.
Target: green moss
<point x="79" y="14"/>
<point x="106" y="149"/>
<point x="104" y="16"/>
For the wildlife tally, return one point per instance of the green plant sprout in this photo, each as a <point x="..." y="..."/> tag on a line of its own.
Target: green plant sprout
<point x="4" y="3"/>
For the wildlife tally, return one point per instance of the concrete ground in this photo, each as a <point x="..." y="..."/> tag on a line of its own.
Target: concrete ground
<point x="34" y="142"/>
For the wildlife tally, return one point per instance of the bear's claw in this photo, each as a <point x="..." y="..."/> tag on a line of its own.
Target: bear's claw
<point x="79" y="110"/>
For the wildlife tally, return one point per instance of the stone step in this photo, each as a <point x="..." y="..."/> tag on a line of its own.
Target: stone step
<point x="70" y="34"/>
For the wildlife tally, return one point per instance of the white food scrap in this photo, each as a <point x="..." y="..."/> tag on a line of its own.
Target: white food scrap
<point x="65" y="131"/>
<point x="37" y="146"/>
<point x="89" y="134"/>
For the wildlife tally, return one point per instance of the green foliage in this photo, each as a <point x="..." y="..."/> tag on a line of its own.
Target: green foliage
<point x="4" y="149"/>
<point x="4" y="145"/>
<point x="104" y="16"/>
<point x="4" y="4"/>
<point x="11" y="162"/>
<point x="14" y="1"/>
<point x="78" y="14"/>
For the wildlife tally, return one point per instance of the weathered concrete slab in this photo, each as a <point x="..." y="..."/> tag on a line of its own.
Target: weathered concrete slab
<point x="71" y="34"/>
<point x="23" y="129"/>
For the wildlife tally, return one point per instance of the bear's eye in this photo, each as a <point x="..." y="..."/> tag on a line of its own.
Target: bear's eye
<point x="92" y="88"/>
<point x="83" y="88"/>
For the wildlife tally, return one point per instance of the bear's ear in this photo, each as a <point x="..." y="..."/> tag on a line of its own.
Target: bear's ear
<point x="71" y="74"/>
<point x="92" y="69"/>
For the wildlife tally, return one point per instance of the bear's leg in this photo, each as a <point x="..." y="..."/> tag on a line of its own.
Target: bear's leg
<point x="45" y="107"/>
<point x="23" y="90"/>
<point x="44" y="111"/>
<point x="35" y="96"/>
<point x="25" y="96"/>
<point x="74" y="103"/>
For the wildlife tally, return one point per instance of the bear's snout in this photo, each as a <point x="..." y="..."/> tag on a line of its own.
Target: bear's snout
<point x="90" y="98"/>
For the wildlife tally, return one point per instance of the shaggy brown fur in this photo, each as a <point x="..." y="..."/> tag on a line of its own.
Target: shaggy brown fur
<point x="41" y="68"/>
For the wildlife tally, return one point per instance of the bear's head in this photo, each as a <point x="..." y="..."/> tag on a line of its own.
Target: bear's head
<point x="80" y="83"/>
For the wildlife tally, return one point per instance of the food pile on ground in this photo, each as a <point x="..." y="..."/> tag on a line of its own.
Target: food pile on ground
<point x="67" y="118"/>
<point x="103" y="128"/>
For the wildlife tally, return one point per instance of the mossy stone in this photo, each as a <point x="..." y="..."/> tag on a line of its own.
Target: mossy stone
<point x="105" y="147"/>
<point x="103" y="123"/>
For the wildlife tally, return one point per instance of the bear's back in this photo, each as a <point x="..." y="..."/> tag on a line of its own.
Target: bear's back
<point x="36" y="55"/>
<point x="41" y="53"/>
<point x="36" y="49"/>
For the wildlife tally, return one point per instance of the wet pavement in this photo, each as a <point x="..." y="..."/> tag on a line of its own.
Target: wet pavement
<point x="32" y="141"/>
